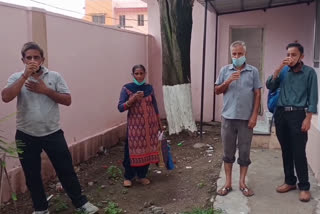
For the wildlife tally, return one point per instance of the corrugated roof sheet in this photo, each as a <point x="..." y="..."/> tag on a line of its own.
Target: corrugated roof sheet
<point x="235" y="6"/>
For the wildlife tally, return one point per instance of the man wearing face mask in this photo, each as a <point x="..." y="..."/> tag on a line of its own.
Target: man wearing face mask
<point x="297" y="102"/>
<point x="240" y="85"/>
<point x="39" y="91"/>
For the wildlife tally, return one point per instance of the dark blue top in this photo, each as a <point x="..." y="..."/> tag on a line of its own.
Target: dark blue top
<point x="133" y="88"/>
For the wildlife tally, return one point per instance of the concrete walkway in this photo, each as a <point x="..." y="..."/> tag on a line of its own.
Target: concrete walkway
<point x="264" y="175"/>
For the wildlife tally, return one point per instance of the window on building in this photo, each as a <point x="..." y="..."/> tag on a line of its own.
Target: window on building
<point x="99" y="19"/>
<point x="140" y="20"/>
<point x="122" y="20"/>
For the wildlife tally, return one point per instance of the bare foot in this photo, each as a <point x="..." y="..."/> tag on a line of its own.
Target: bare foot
<point x="304" y="196"/>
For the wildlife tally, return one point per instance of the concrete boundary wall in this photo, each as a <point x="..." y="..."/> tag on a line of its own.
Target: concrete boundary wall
<point x="94" y="60"/>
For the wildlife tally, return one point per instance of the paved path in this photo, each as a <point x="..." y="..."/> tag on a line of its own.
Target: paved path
<point x="265" y="173"/>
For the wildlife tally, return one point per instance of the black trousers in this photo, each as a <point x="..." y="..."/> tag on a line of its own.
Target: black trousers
<point x="129" y="171"/>
<point x="293" y="144"/>
<point x="57" y="150"/>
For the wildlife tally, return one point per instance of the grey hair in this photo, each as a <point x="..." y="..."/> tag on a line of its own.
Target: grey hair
<point x="237" y="43"/>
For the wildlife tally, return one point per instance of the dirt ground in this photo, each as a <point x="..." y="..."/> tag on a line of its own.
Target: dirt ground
<point x="192" y="184"/>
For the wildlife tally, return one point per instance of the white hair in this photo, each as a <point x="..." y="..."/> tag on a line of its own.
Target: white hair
<point x="237" y="43"/>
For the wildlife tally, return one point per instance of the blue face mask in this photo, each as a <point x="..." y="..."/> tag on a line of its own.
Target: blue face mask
<point x="139" y="83"/>
<point x="238" y="62"/>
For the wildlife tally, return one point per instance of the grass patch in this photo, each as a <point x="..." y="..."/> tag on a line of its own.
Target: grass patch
<point x="205" y="211"/>
<point x="60" y="205"/>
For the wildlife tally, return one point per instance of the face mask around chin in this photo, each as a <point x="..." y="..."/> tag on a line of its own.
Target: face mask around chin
<point x="296" y="65"/>
<point x="138" y="83"/>
<point x="238" y="62"/>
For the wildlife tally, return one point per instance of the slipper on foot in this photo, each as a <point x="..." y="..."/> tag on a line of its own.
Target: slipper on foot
<point x="127" y="183"/>
<point x="144" y="181"/>
<point x="246" y="191"/>
<point x="224" y="191"/>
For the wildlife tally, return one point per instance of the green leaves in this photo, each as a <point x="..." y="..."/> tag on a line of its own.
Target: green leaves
<point x="205" y="211"/>
<point x="114" y="172"/>
<point x="112" y="208"/>
<point x="14" y="196"/>
<point x="10" y="148"/>
<point x="60" y="205"/>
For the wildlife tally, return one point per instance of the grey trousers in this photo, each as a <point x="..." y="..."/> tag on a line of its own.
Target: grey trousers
<point x="235" y="133"/>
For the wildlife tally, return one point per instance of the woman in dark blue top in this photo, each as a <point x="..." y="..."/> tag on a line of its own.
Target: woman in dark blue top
<point x="143" y="125"/>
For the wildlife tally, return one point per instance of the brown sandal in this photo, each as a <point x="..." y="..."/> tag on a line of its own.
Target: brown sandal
<point x="144" y="181"/>
<point x="246" y="191"/>
<point x="224" y="191"/>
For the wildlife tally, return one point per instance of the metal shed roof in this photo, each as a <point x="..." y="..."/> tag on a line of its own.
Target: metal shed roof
<point x="222" y="7"/>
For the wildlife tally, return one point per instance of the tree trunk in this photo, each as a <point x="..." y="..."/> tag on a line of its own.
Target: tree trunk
<point x="176" y="28"/>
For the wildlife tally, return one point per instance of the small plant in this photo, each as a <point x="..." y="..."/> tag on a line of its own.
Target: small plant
<point x="14" y="196"/>
<point x="205" y="211"/>
<point x="60" y="205"/>
<point x="114" y="172"/>
<point x="8" y="149"/>
<point x="124" y="191"/>
<point x="201" y="185"/>
<point x="112" y="208"/>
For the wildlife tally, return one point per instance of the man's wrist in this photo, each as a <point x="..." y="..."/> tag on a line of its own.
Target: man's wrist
<point x="226" y="83"/>
<point x="24" y="76"/>
<point x="277" y="72"/>
<point x="275" y="75"/>
<point x="48" y="92"/>
<point x="254" y="115"/>
<point x="308" y="116"/>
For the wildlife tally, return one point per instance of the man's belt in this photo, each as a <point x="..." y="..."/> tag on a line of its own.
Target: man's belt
<point x="292" y="108"/>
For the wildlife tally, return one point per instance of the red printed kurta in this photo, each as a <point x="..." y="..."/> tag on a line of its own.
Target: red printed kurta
<point x="143" y="129"/>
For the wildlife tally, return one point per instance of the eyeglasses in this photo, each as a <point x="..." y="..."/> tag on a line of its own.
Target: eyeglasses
<point x="35" y="58"/>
